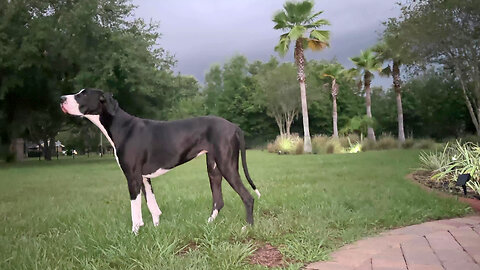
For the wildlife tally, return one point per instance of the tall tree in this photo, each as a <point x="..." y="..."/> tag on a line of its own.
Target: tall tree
<point x="280" y="95"/>
<point x="445" y="33"/>
<point x="335" y="72"/>
<point x="213" y="88"/>
<point x="299" y="19"/>
<point x="49" y="48"/>
<point x="388" y="53"/>
<point x="367" y="62"/>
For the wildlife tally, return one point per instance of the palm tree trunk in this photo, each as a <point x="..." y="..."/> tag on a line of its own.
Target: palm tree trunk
<point x="398" y="90"/>
<point x="368" y="101"/>
<point x="334" y="108"/>
<point x="300" y="61"/>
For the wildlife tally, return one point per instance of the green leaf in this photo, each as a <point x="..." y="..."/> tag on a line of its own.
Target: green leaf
<point x="314" y="16"/>
<point x="283" y="45"/>
<point x="318" y="23"/>
<point x="387" y="71"/>
<point x="320" y="35"/>
<point x="296" y="32"/>
<point x="281" y="20"/>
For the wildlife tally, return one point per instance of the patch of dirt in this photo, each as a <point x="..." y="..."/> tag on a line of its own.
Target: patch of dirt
<point x="186" y="249"/>
<point x="446" y="186"/>
<point x="267" y="255"/>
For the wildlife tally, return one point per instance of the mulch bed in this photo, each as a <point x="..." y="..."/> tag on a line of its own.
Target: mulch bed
<point x="268" y="256"/>
<point x="445" y="188"/>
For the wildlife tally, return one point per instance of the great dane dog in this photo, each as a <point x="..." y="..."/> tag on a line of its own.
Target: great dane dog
<point x="145" y="149"/>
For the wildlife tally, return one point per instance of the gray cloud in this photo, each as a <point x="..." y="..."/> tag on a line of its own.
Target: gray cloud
<point x="201" y="33"/>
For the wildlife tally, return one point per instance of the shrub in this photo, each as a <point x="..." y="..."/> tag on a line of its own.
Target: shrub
<point x="472" y="138"/>
<point x="408" y="143"/>
<point x="435" y="160"/>
<point x="465" y="158"/>
<point x="354" y="148"/>
<point x="334" y="146"/>
<point x="324" y="145"/>
<point x="319" y="143"/>
<point x="368" y="145"/>
<point x="292" y="144"/>
<point x="299" y="147"/>
<point x="386" y="142"/>
<point x="424" y="144"/>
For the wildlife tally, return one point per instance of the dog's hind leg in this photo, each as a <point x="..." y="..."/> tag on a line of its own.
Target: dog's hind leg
<point x="151" y="201"/>
<point x="134" y="186"/>
<point x="215" y="185"/>
<point x="229" y="169"/>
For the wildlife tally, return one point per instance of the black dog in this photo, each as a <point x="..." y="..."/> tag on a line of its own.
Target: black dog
<point x="146" y="148"/>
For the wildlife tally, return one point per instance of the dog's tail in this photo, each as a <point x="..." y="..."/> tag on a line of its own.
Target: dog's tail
<point x="241" y="140"/>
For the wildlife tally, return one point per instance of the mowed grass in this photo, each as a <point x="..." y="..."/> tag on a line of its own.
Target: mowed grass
<point x="70" y="214"/>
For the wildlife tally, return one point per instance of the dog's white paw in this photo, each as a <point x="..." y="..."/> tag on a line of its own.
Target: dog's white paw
<point x="156" y="221"/>
<point x="136" y="227"/>
<point x="213" y="216"/>
<point x="244" y="228"/>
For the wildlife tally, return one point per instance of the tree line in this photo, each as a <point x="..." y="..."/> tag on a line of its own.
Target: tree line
<point x="57" y="47"/>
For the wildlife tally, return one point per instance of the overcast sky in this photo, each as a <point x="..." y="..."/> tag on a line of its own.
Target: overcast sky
<point x="201" y="33"/>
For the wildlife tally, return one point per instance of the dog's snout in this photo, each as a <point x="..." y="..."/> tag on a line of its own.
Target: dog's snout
<point x="62" y="99"/>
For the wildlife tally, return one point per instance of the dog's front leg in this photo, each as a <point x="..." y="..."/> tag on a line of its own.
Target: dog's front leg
<point x="151" y="201"/>
<point x="134" y="187"/>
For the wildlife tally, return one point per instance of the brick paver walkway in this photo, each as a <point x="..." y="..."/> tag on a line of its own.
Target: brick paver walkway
<point x="452" y="244"/>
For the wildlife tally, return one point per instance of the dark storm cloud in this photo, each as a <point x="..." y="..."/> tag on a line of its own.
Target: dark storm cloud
<point x="201" y="33"/>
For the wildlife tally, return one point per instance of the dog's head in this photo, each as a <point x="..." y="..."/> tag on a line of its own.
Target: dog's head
<point x="89" y="101"/>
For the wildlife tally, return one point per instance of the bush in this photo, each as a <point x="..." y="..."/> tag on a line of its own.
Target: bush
<point x="368" y="145"/>
<point x="408" y="143"/>
<point x="386" y="142"/>
<point x="453" y="160"/>
<point x="292" y="144"/>
<point x="324" y="145"/>
<point x="435" y="160"/>
<point x="334" y="146"/>
<point x="463" y="158"/>
<point x="471" y="138"/>
<point x="424" y="144"/>
<point x="319" y="143"/>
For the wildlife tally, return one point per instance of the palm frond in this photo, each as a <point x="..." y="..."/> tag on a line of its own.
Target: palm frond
<point x="320" y="35"/>
<point x="283" y="45"/>
<point x="298" y="12"/>
<point x="280" y="18"/>
<point x="316" y="45"/>
<point x="296" y="32"/>
<point x="368" y="61"/>
<point x="316" y="24"/>
<point x="386" y="72"/>
<point x="315" y="15"/>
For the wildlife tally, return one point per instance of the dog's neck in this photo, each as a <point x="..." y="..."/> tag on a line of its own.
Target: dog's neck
<point x="108" y="123"/>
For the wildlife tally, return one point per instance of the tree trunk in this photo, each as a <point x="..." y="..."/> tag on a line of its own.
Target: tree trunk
<point x="368" y="101"/>
<point x="300" y="61"/>
<point x="47" y="153"/>
<point x="279" y="122"/>
<point x="398" y="90"/>
<point x="474" y="118"/>
<point x="289" y="120"/>
<point x="334" y="108"/>
<point x="334" y="117"/>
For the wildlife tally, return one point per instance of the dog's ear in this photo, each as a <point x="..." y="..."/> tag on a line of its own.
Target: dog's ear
<point x="109" y="102"/>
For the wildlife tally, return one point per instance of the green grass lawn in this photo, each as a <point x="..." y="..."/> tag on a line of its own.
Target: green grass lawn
<point x="69" y="214"/>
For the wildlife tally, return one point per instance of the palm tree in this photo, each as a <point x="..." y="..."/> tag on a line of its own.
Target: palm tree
<point x="335" y="72"/>
<point x="297" y="18"/>
<point x="367" y="62"/>
<point x="387" y="53"/>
